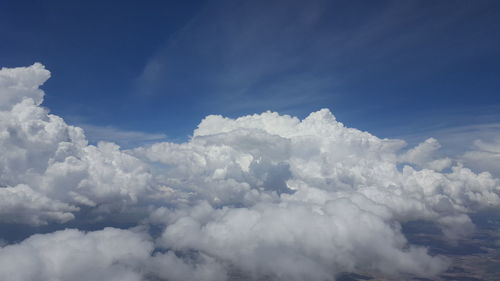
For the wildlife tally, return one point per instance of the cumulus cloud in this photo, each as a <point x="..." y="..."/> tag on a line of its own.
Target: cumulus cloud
<point x="108" y="254"/>
<point x="52" y="161"/>
<point x="21" y="204"/>
<point x="264" y="195"/>
<point x="19" y="83"/>
<point x="297" y="241"/>
<point x="484" y="156"/>
<point x="423" y="156"/>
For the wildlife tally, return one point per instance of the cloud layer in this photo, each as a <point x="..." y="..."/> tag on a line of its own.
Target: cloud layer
<point x="264" y="196"/>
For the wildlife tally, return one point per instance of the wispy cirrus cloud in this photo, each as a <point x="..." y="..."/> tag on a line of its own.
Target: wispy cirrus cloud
<point x="124" y="138"/>
<point x="251" y="56"/>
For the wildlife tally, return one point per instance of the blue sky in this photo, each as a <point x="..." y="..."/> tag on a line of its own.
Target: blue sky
<point x="148" y="70"/>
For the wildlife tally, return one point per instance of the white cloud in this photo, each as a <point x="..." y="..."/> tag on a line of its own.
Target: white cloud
<point x="21" y="204"/>
<point x="19" y="83"/>
<point x="473" y="144"/>
<point x="484" y="156"/>
<point x="121" y="137"/>
<point x="423" y="156"/>
<point x="267" y="195"/>
<point x="108" y="254"/>
<point x="53" y="160"/>
<point x="297" y="241"/>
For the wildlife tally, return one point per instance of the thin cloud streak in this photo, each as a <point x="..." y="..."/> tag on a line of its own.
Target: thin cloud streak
<point x="254" y="55"/>
<point x="124" y="138"/>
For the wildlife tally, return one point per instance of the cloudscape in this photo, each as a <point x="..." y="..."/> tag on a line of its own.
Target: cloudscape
<point x="269" y="184"/>
<point x="265" y="194"/>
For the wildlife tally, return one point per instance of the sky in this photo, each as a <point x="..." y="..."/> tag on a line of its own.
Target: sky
<point x="254" y="140"/>
<point x="406" y="69"/>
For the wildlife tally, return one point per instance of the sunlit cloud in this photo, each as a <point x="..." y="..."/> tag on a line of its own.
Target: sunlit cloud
<point x="267" y="195"/>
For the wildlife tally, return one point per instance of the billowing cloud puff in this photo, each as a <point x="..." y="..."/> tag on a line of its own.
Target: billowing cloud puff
<point x="298" y="241"/>
<point x="423" y="156"/>
<point x="108" y="254"/>
<point x="19" y="83"/>
<point x="21" y="204"/>
<point x="265" y="196"/>
<point x="53" y="161"/>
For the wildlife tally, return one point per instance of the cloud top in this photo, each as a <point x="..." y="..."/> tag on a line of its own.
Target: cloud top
<point x="22" y="82"/>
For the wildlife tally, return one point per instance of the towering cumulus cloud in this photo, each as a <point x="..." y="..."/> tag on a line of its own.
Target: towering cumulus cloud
<point x="265" y="196"/>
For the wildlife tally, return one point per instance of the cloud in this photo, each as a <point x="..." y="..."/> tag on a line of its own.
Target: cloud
<point x="108" y="254"/>
<point x="475" y="145"/>
<point x="287" y="55"/>
<point x="422" y="155"/>
<point x="297" y="240"/>
<point x="242" y="54"/>
<point x="121" y="137"/>
<point x="484" y="156"/>
<point x="46" y="160"/>
<point x="21" y="204"/>
<point x="263" y="195"/>
<point x="19" y="83"/>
